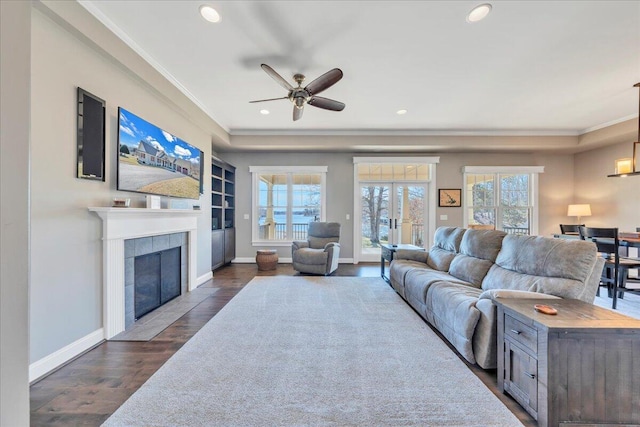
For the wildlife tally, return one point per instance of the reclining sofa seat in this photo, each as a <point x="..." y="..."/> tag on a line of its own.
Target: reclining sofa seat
<point x="453" y="285"/>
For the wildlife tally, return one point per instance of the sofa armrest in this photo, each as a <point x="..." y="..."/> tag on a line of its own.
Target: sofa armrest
<point x="299" y="244"/>
<point x="333" y="254"/>
<point x="413" y="255"/>
<point x="492" y="294"/>
<point x="331" y="245"/>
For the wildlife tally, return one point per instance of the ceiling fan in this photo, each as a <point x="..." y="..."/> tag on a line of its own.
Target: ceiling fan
<point x="300" y="96"/>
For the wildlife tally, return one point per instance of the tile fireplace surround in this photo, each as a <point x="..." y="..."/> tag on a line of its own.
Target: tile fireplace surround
<point x="120" y="224"/>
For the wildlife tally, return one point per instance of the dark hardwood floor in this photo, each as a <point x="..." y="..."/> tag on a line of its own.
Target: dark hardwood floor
<point x="88" y="389"/>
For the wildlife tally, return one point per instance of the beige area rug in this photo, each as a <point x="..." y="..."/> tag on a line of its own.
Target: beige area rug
<point x="314" y="351"/>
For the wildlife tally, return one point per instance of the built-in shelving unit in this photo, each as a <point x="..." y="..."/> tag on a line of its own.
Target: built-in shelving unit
<point x="223" y="235"/>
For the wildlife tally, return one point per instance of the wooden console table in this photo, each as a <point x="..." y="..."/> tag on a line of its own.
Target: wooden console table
<point x="580" y="367"/>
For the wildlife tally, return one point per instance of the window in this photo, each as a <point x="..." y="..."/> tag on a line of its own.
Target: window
<point x="285" y="201"/>
<point x="504" y="198"/>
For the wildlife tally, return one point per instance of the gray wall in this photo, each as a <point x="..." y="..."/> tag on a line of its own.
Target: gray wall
<point x="66" y="246"/>
<point x="339" y="193"/>
<point x="615" y="202"/>
<point x="556" y="187"/>
<point x="15" y="74"/>
<point x="555" y="184"/>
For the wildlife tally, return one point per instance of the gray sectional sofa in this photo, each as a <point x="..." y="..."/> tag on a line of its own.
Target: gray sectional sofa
<point x="453" y="285"/>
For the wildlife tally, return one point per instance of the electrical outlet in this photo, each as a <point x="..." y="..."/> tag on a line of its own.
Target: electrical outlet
<point x="348" y="217"/>
<point x="246" y="216"/>
<point x="444" y="217"/>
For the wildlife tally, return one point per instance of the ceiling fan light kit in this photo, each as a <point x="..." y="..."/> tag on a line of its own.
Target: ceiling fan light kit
<point x="300" y="96"/>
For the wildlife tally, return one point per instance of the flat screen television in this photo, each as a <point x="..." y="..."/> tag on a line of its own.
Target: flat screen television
<point x="153" y="161"/>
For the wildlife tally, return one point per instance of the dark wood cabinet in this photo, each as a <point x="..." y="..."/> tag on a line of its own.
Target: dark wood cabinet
<point x="577" y="368"/>
<point x="217" y="249"/>
<point x="223" y="241"/>
<point x="229" y="245"/>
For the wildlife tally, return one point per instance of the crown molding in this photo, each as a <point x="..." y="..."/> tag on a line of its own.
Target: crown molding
<point x="399" y="132"/>
<point x="122" y="35"/>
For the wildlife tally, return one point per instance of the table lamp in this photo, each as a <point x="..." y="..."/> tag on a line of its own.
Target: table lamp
<point x="579" y="211"/>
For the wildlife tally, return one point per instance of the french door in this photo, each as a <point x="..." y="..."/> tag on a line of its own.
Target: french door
<point x="391" y="212"/>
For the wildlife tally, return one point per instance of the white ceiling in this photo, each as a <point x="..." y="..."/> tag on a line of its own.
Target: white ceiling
<point x="531" y="67"/>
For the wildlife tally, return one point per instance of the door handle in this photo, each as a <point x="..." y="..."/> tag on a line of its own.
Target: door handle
<point x="532" y="376"/>
<point x="515" y="332"/>
<point x="395" y="222"/>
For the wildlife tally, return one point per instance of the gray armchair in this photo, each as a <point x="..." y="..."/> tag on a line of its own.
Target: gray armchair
<point x="319" y="254"/>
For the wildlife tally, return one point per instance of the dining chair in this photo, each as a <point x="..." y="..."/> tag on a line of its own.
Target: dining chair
<point x="616" y="268"/>
<point x="570" y="228"/>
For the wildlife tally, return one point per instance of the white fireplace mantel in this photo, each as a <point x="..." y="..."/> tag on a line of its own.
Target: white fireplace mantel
<point x="120" y="224"/>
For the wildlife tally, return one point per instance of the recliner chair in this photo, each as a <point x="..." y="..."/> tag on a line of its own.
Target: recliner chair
<point x="320" y="252"/>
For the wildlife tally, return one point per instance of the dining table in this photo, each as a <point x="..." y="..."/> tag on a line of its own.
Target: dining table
<point x="629" y="239"/>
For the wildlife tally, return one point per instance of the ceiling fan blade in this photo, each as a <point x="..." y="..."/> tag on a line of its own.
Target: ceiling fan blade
<point x="277" y="77"/>
<point x="325" y="81"/>
<point x="297" y="113"/>
<point x="270" y="99"/>
<point x="326" y="103"/>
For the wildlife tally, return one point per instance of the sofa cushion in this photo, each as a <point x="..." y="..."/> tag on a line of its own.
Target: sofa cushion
<point x="478" y="251"/>
<point x="451" y="309"/>
<point x="482" y="244"/>
<point x="470" y="269"/>
<point x="320" y="242"/>
<point x="440" y="259"/>
<point x="321" y="233"/>
<point x="398" y="270"/>
<point x="544" y="256"/>
<point x="501" y="278"/>
<point x="448" y="238"/>
<point x="418" y="281"/>
<point x="539" y="264"/>
<point x="446" y="245"/>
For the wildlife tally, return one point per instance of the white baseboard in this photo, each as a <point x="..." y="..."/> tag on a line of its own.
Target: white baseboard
<point x="249" y="260"/>
<point x="204" y="278"/>
<point x="52" y="361"/>
<point x="244" y="260"/>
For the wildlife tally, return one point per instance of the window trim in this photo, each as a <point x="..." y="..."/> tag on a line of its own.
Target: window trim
<point x="255" y="173"/>
<point x="532" y="171"/>
<point x="430" y="203"/>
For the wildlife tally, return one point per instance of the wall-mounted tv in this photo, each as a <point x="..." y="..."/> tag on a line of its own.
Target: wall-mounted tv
<point x="153" y="161"/>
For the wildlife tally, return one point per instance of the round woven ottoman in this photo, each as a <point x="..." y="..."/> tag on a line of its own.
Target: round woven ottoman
<point x="267" y="259"/>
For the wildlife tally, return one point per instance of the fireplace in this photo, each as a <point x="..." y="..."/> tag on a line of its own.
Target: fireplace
<point x="154" y="273"/>
<point x="149" y="229"/>
<point x="156" y="280"/>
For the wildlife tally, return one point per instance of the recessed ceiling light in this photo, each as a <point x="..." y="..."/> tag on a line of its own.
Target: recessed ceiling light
<point x="479" y="12"/>
<point x="265" y="112"/>
<point x="401" y="112"/>
<point x="209" y="13"/>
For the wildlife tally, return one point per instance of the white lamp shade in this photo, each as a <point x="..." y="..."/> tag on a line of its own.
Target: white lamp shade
<point x="579" y="210"/>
